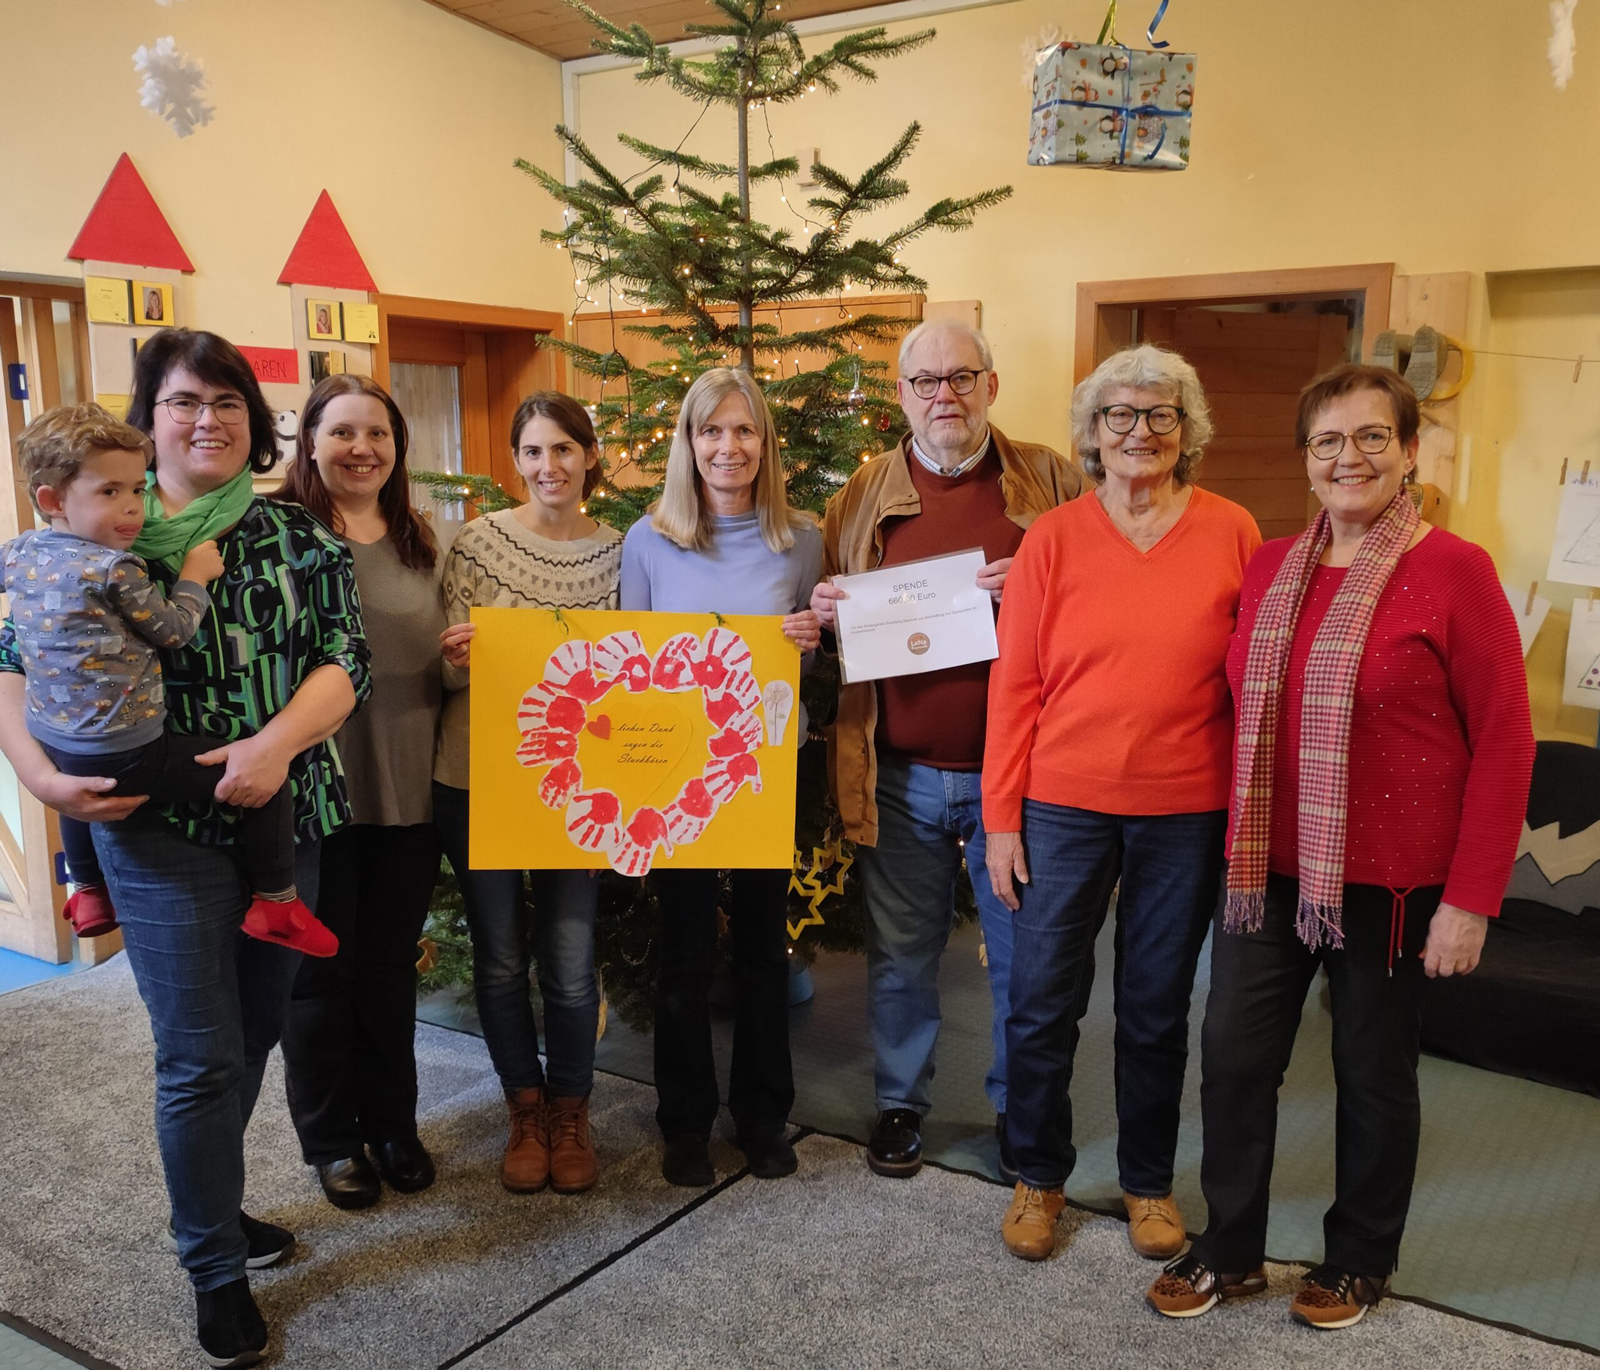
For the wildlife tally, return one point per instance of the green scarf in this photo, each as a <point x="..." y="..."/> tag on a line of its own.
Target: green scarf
<point x="170" y="539"/>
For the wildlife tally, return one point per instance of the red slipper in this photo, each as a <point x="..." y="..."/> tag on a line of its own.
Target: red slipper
<point x="90" y="911"/>
<point x="289" y="923"/>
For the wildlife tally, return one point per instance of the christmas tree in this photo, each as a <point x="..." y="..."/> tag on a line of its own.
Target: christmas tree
<point x="680" y="240"/>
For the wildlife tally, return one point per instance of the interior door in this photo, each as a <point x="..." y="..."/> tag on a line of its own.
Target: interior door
<point x="1253" y="365"/>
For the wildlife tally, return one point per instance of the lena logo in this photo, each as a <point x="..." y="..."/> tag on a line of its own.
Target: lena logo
<point x="917" y="644"/>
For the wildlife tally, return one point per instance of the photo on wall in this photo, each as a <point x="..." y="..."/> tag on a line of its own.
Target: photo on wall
<point x="325" y="364"/>
<point x="322" y="319"/>
<point x="152" y="303"/>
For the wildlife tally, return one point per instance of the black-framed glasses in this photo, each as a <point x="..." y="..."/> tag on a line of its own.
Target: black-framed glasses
<point x="185" y="409"/>
<point x="961" y="382"/>
<point x="1124" y="418"/>
<point x="1370" y="439"/>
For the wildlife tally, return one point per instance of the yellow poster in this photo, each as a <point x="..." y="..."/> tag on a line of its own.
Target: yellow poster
<point x="633" y="740"/>
<point x="106" y="299"/>
<point x="360" y="322"/>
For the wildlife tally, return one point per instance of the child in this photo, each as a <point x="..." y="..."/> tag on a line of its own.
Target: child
<point x="88" y="620"/>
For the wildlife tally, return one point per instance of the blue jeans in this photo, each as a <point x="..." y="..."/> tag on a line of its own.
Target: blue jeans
<point x="1170" y="868"/>
<point x="564" y="907"/>
<point x="925" y="814"/>
<point x="217" y="1001"/>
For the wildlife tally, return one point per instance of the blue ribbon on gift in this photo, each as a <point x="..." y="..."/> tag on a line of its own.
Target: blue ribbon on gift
<point x="1150" y="33"/>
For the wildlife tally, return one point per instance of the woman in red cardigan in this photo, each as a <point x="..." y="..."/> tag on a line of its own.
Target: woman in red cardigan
<point x="1381" y="768"/>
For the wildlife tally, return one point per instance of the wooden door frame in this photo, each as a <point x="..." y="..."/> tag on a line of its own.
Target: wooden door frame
<point x="1100" y="302"/>
<point x="485" y="317"/>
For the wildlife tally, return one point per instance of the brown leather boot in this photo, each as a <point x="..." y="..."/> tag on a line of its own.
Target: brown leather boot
<point x="572" y="1164"/>
<point x="525" y="1169"/>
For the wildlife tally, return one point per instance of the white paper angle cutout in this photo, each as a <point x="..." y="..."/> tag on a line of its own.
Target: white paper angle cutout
<point x="172" y="86"/>
<point x="777" y="703"/>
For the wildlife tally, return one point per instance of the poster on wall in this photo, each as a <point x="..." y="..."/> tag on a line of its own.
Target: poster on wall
<point x="1531" y="609"/>
<point x="360" y="322"/>
<point x="632" y="740"/>
<point x="152" y="303"/>
<point x="1575" y="554"/>
<point x="1581" y="685"/>
<point x="107" y="300"/>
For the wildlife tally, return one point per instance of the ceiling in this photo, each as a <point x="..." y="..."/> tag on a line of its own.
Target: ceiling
<point x="553" y="28"/>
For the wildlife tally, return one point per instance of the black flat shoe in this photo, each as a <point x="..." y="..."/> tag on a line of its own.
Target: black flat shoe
<point x="768" y="1155"/>
<point x="1008" y="1165"/>
<point x="350" y="1184"/>
<point x="229" y="1325"/>
<point x="687" y="1162"/>
<point x="405" y="1164"/>
<point x="895" y="1147"/>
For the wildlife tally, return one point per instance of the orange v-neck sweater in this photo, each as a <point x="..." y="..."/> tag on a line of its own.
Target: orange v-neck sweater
<point x="1111" y="692"/>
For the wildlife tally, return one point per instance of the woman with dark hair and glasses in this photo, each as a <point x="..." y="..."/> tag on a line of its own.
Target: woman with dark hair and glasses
<point x="1107" y="761"/>
<point x="276" y="665"/>
<point x="349" y="1043"/>
<point x="545" y="554"/>
<point x="1381" y="767"/>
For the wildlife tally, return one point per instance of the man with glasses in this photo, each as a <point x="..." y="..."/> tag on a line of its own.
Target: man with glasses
<point x="908" y="752"/>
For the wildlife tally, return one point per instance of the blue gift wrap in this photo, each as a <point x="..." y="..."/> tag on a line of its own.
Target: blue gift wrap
<point x="1106" y="105"/>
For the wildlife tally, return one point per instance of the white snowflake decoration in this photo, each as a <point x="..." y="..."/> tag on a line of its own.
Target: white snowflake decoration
<point x="173" y="86"/>
<point x="1563" y="41"/>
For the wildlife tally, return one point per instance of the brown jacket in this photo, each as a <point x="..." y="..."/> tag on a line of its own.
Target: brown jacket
<point x="1033" y="479"/>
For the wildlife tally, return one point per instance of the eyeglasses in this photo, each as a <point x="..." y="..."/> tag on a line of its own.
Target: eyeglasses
<point x="1370" y="440"/>
<point x="960" y="382"/>
<point x="186" y="410"/>
<point x="1124" y="418"/>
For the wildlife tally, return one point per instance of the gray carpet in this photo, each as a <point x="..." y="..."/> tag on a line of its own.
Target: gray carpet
<point x="832" y="1268"/>
<point x="839" y="1268"/>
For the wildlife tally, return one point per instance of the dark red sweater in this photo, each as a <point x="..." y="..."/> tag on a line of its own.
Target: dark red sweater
<point x="1441" y="745"/>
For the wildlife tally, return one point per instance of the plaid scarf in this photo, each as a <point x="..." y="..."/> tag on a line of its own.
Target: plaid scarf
<point x="1330" y="685"/>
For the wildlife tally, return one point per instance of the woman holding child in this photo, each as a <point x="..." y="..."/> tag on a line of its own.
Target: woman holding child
<point x="277" y="663"/>
<point x="545" y="554"/>
<point x="349" y="1043"/>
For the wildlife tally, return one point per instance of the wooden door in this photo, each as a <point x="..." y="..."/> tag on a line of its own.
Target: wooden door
<point x="1253" y="366"/>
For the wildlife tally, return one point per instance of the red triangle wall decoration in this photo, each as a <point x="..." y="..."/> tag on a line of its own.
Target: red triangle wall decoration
<point x="127" y="227"/>
<point x="324" y="253"/>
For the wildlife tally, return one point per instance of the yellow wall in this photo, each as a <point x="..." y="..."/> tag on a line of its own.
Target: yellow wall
<point x="1422" y="133"/>
<point x="408" y="116"/>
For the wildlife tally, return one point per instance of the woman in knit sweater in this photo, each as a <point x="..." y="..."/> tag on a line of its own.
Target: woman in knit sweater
<point x="545" y="554"/>
<point x="1107" y="760"/>
<point x="723" y="539"/>
<point x="1381" y="772"/>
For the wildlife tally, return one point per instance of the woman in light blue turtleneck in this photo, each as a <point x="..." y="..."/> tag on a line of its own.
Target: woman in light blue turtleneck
<point x="723" y="539"/>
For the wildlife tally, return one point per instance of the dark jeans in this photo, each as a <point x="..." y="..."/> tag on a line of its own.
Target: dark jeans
<point x="564" y="907"/>
<point x="216" y="1000"/>
<point x="166" y="771"/>
<point x="761" y="1085"/>
<point x="1258" y="989"/>
<point x="1169" y="866"/>
<point x="349" y="1048"/>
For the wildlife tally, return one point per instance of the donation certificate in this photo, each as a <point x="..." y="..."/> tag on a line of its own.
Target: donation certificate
<point x="918" y="616"/>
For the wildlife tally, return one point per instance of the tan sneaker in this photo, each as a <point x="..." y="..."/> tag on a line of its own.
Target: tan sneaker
<point x="525" y="1168"/>
<point x="1189" y="1287"/>
<point x="1331" y="1297"/>
<point x="1029" y="1228"/>
<point x="1155" y="1227"/>
<point x="573" y="1167"/>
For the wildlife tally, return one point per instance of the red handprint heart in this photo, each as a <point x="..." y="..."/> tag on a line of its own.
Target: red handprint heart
<point x="600" y="727"/>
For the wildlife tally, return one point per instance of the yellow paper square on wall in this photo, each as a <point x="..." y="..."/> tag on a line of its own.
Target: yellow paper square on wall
<point x="634" y="740"/>
<point x="360" y="322"/>
<point x="106" y="299"/>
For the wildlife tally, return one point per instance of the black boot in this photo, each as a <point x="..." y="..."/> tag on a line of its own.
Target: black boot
<point x="229" y="1325"/>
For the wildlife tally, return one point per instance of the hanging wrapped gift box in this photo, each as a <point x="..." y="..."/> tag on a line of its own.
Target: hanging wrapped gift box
<point x="1107" y="105"/>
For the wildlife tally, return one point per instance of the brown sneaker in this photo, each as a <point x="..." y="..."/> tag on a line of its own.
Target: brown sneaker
<point x="573" y="1167"/>
<point x="1189" y="1287"/>
<point x="1331" y="1297"/>
<point x="1029" y="1228"/>
<point x="525" y="1168"/>
<point x="1155" y="1227"/>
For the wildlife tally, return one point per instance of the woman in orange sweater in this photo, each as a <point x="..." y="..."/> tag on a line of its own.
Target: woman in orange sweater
<point x="1107" y="760"/>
